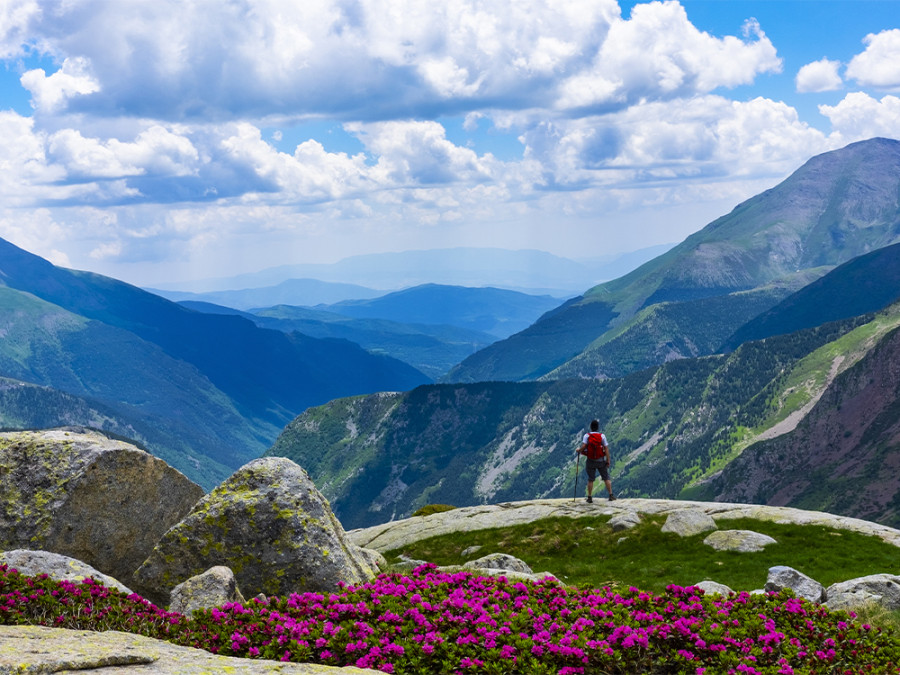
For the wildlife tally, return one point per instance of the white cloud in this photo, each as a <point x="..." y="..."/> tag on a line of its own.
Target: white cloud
<point x="696" y="139"/>
<point x="418" y="153"/>
<point x="51" y="94"/>
<point x="15" y="20"/>
<point x="859" y="116"/>
<point x="659" y="54"/>
<point x="879" y="65"/>
<point x="819" y="76"/>
<point x="377" y="59"/>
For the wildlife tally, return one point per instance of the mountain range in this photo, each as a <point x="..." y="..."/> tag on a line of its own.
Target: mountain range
<point x="527" y="271"/>
<point x="734" y="366"/>
<point x="837" y="206"/>
<point x="206" y="392"/>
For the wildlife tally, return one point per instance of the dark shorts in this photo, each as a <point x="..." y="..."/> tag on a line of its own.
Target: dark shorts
<point x="592" y="466"/>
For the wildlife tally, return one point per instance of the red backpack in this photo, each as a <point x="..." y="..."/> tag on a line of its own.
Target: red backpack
<point x="595" y="449"/>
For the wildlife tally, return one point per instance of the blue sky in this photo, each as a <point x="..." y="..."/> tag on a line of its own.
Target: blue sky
<point x="160" y="140"/>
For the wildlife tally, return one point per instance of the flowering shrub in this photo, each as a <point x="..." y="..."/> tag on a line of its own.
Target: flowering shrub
<point x="432" y="622"/>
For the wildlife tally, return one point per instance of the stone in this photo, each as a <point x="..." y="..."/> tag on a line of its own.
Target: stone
<point x="56" y="566"/>
<point x="625" y="521"/>
<point x="39" y="649"/>
<point x="713" y="587"/>
<point x="499" y="561"/>
<point x="688" y="522"/>
<point x="742" y="541"/>
<point x="883" y="589"/>
<point x="214" y="588"/>
<point x="80" y="494"/>
<point x="781" y="577"/>
<point x="400" y="533"/>
<point x="471" y="550"/>
<point x="270" y="525"/>
<point x="375" y="560"/>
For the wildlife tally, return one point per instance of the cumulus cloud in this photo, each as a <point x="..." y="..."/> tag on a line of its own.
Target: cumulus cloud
<point x="377" y="59"/>
<point x="702" y="137"/>
<point x="16" y="17"/>
<point x="51" y="93"/>
<point x="859" y="116"/>
<point x="819" y="76"/>
<point x="879" y="65"/>
<point x="659" y="54"/>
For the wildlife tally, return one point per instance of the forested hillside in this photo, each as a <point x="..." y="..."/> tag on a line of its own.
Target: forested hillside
<point x="672" y="427"/>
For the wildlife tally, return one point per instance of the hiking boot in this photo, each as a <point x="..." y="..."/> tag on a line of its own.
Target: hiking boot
<point x="589" y="500"/>
<point x="612" y="498"/>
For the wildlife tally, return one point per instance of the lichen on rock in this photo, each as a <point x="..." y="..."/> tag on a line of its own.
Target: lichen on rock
<point x="270" y="525"/>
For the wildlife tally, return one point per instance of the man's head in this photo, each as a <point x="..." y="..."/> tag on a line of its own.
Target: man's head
<point x="595" y="425"/>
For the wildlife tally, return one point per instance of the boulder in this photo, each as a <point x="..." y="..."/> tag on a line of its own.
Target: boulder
<point x="742" y="541"/>
<point x="883" y="589"/>
<point x="214" y="588"/>
<point x="499" y="561"/>
<point x="56" y="566"/>
<point x="39" y="649"/>
<point x="688" y="522"/>
<point x="78" y="493"/>
<point x="471" y="550"/>
<point x="713" y="587"/>
<point x="627" y="520"/>
<point x="270" y="525"/>
<point x="781" y="577"/>
<point x="375" y="560"/>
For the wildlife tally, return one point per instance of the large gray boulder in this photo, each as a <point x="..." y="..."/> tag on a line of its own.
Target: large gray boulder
<point x="781" y="577"/>
<point x="78" y="493"/>
<point x="270" y="525"/>
<point x="499" y="561"/>
<point x="741" y="541"/>
<point x="56" y="566"/>
<point x="688" y="522"/>
<point x="881" y="589"/>
<point x="214" y="588"/>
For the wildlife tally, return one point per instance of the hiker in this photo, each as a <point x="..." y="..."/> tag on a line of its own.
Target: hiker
<point x="595" y="448"/>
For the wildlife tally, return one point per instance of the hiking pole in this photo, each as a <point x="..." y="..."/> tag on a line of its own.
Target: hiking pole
<point x="577" y="465"/>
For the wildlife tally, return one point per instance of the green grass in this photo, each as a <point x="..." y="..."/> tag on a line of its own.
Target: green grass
<point x="586" y="552"/>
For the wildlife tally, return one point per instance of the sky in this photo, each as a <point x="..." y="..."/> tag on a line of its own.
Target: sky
<point x="170" y="140"/>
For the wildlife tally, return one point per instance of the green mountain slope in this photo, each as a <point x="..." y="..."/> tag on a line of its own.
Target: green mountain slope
<point x="671" y="427"/>
<point x="430" y="349"/>
<point x="217" y="387"/>
<point x="837" y="206"/>
<point x="495" y="311"/>
<point x="864" y="284"/>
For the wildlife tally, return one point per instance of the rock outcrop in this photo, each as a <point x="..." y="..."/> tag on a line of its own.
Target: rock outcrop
<point x="270" y="525"/>
<point x="781" y="577"/>
<point x="78" y="493"/>
<point x="56" y="566"/>
<point x="214" y="588"/>
<point x="37" y="649"/>
<point x="742" y="541"/>
<point x="881" y="589"/>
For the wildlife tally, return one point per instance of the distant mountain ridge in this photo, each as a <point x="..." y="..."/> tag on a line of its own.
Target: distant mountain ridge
<point x="837" y="206"/>
<point x="150" y="359"/>
<point x="527" y="271"/>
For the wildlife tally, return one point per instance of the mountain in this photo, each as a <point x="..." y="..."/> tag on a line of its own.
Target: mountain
<point x="494" y="311"/>
<point x="528" y="271"/>
<point x="865" y="284"/>
<point x="672" y="427"/>
<point x="432" y="350"/>
<point x="301" y="292"/>
<point x="842" y="455"/>
<point x="219" y="378"/>
<point x="837" y="206"/>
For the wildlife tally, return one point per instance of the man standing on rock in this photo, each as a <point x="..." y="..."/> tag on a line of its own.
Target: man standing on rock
<point x="595" y="448"/>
